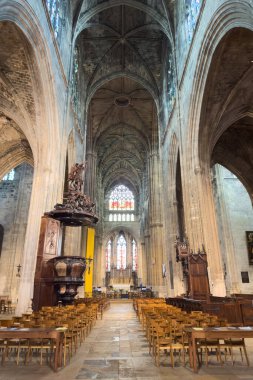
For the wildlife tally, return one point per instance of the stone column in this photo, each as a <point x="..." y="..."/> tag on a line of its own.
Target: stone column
<point x="201" y="225"/>
<point x="147" y="255"/>
<point x="91" y="174"/>
<point x="129" y="262"/>
<point x="38" y="204"/>
<point x="229" y="257"/>
<point x="156" y="225"/>
<point x="99" y="261"/>
<point x="171" y="226"/>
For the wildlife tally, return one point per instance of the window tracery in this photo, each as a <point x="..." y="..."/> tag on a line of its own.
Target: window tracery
<point x="121" y="201"/>
<point x="121" y="198"/>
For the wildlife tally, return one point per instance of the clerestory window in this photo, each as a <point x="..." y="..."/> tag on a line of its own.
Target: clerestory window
<point x="121" y="203"/>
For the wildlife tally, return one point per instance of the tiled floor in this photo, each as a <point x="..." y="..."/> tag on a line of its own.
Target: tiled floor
<point x="117" y="349"/>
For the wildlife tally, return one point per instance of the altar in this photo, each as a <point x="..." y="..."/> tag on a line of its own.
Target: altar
<point x="121" y="279"/>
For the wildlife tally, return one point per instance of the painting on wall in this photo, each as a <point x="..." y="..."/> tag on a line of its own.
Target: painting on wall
<point x="249" y="238"/>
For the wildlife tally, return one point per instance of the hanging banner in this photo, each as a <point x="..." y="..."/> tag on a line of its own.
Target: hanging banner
<point x="88" y="276"/>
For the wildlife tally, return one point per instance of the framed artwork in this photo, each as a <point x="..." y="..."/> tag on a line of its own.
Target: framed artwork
<point x="249" y="238"/>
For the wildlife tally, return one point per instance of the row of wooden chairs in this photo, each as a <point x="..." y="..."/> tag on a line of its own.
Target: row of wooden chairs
<point x="75" y="322"/>
<point x="165" y="327"/>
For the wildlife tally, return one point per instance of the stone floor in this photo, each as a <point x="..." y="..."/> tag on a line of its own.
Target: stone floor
<point x="117" y="349"/>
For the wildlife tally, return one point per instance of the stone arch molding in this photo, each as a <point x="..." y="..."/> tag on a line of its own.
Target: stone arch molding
<point x="42" y="132"/>
<point x="114" y="231"/>
<point x="129" y="75"/>
<point x="201" y="223"/>
<point x="162" y="21"/>
<point x="232" y="14"/>
<point x="38" y="57"/>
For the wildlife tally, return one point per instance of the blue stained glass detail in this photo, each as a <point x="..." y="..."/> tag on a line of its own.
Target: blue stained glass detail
<point x="56" y="10"/>
<point x="74" y="81"/>
<point x="9" y="176"/>
<point x="171" y="82"/>
<point x="192" y="12"/>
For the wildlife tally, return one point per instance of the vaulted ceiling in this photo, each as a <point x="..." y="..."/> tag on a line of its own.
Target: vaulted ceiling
<point x="16" y="97"/>
<point x="227" y="114"/>
<point x="122" y="47"/>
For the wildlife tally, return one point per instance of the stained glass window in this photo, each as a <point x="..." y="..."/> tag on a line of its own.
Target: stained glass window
<point x="56" y="10"/>
<point x="116" y="217"/>
<point x="192" y="12"/>
<point x="171" y="81"/>
<point x="108" y="256"/>
<point x="121" y="198"/>
<point x="75" y="78"/>
<point x="121" y="252"/>
<point x="9" y="176"/>
<point x="134" y="255"/>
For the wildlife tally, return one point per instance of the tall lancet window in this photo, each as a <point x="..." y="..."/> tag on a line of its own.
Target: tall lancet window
<point x="57" y="10"/>
<point x="134" y="255"/>
<point x="192" y="12"/>
<point x="121" y="252"/>
<point x="108" y="256"/>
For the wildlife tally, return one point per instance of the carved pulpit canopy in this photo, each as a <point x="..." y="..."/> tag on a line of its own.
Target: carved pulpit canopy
<point x="77" y="208"/>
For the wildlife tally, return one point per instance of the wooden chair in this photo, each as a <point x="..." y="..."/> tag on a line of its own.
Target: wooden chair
<point x="165" y="343"/>
<point x="229" y="345"/>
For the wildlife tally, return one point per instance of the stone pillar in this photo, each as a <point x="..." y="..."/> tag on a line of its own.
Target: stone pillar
<point x="171" y="226"/>
<point x="91" y="174"/>
<point x="229" y="258"/>
<point x="39" y="203"/>
<point x="147" y="255"/>
<point x="141" y="263"/>
<point x="129" y="257"/>
<point x="156" y="225"/>
<point x="201" y="225"/>
<point x="99" y="261"/>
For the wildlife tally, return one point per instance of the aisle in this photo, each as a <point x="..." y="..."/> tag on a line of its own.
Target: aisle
<point x="117" y="349"/>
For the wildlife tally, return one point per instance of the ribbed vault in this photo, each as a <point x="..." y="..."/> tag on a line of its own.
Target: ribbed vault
<point x="122" y="118"/>
<point x="127" y="38"/>
<point x="226" y="123"/>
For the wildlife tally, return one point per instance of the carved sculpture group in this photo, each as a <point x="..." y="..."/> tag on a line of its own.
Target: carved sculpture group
<point x="76" y="200"/>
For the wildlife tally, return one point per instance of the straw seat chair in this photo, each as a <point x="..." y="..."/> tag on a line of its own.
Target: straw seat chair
<point x="165" y="343"/>
<point x="229" y="345"/>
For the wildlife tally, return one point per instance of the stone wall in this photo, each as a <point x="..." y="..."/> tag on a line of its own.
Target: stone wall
<point x="233" y="200"/>
<point x="14" y="206"/>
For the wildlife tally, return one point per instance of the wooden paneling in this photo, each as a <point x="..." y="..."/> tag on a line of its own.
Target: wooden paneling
<point x="49" y="247"/>
<point x="198" y="276"/>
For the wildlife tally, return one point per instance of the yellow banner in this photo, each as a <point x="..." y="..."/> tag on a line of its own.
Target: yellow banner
<point x="88" y="276"/>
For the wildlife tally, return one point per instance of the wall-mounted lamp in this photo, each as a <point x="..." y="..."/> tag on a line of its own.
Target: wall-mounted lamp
<point x="18" y="270"/>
